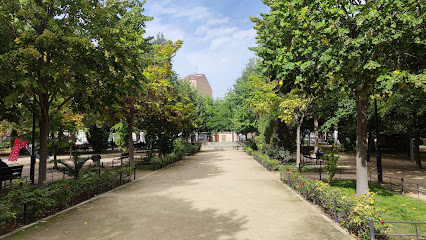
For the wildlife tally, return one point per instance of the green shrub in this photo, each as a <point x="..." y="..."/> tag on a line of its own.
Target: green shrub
<point x="73" y="170"/>
<point x="253" y="146"/>
<point x="248" y="150"/>
<point x="35" y="199"/>
<point x="266" y="160"/>
<point x="284" y="154"/>
<point x="157" y="162"/>
<point x="179" y="145"/>
<point x="363" y="209"/>
<point x="39" y="202"/>
<point x="7" y="213"/>
<point x="331" y="159"/>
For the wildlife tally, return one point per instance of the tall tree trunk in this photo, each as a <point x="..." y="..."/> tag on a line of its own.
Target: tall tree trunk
<point x="44" y="135"/>
<point x="417" y="145"/>
<point x="361" y="142"/>
<point x="316" y="133"/>
<point x="130" y="132"/>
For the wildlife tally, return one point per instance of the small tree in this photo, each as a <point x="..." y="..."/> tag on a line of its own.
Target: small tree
<point x="73" y="170"/>
<point x="331" y="159"/>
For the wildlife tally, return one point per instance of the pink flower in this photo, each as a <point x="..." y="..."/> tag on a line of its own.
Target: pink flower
<point x="313" y="179"/>
<point x="294" y="173"/>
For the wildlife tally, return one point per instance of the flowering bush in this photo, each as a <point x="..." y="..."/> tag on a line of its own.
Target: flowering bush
<point x="362" y="210"/>
<point x="353" y="211"/>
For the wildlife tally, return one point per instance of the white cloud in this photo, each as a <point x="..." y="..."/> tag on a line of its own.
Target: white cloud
<point x="215" y="21"/>
<point x="169" y="31"/>
<point x="217" y="42"/>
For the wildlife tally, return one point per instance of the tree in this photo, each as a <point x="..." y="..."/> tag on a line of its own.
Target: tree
<point x="244" y="120"/>
<point x="352" y="45"/>
<point x="203" y="112"/>
<point x="295" y="105"/>
<point x="221" y="120"/>
<point x="162" y="112"/>
<point x="53" y="51"/>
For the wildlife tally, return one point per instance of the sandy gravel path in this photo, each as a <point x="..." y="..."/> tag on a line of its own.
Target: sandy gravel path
<point x="212" y="195"/>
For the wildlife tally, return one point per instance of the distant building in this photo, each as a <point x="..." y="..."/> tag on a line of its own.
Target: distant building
<point x="200" y="81"/>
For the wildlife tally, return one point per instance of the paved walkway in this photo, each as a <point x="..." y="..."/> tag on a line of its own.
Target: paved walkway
<point x="212" y="195"/>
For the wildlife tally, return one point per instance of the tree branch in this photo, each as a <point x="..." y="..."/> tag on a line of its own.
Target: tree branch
<point x="60" y="107"/>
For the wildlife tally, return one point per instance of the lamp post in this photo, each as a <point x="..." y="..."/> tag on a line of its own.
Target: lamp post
<point x="33" y="157"/>
<point x="378" y="155"/>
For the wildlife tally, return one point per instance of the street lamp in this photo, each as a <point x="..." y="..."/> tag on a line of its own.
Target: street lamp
<point x="33" y="157"/>
<point x="378" y="155"/>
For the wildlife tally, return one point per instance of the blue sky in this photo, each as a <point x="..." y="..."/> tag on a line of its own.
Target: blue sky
<point x="216" y="36"/>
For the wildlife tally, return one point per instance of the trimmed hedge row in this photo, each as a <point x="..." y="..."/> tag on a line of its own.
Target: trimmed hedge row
<point x="24" y="204"/>
<point x="180" y="150"/>
<point x="265" y="160"/>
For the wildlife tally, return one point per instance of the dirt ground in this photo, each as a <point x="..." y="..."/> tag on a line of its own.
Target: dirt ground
<point x="212" y="195"/>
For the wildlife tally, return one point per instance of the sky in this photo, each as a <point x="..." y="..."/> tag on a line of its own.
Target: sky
<point x="216" y="36"/>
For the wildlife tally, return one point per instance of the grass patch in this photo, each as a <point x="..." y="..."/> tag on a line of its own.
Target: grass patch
<point x="394" y="206"/>
<point x="149" y="167"/>
<point x="292" y="167"/>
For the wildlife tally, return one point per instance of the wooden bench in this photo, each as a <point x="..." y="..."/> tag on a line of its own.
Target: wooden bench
<point x="10" y="173"/>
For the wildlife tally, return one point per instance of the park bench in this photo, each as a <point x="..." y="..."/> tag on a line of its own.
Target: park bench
<point x="10" y="173"/>
<point x="309" y="160"/>
<point x="121" y="158"/>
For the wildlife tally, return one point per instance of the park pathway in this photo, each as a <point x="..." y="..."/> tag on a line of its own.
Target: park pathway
<point x="212" y="195"/>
